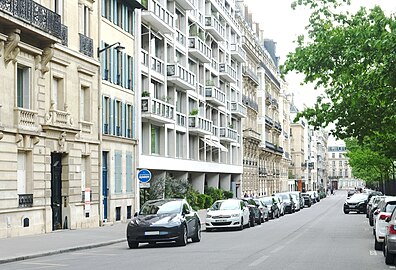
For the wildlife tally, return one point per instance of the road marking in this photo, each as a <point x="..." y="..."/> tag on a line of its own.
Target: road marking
<point x="373" y="253"/>
<point x="259" y="260"/>
<point x="94" y="254"/>
<point x="44" y="264"/>
<point x="277" y="249"/>
<point x="392" y="267"/>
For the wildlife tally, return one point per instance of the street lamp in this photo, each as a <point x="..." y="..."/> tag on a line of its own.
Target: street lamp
<point x="119" y="47"/>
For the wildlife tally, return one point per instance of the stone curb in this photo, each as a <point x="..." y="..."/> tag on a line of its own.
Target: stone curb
<point x="59" y="251"/>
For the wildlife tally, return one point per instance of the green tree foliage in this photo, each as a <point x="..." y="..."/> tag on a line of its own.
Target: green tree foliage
<point x="366" y="164"/>
<point x="351" y="57"/>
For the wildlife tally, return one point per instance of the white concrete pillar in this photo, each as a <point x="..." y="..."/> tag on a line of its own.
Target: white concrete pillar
<point x="198" y="181"/>
<point x="225" y="182"/>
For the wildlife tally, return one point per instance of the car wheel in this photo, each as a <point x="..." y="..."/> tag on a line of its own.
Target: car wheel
<point x="371" y="222"/>
<point x="389" y="258"/>
<point x="133" y="244"/>
<point x="346" y="212"/>
<point x="267" y="219"/>
<point x="197" y="234"/>
<point x="377" y="245"/>
<point x="278" y="214"/>
<point x="182" y="240"/>
<point x="241" y="227"/>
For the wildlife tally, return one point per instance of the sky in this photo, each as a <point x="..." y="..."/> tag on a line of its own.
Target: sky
<point x="283" y="25"/>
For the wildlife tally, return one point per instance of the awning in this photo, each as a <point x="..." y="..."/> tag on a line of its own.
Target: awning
<point x="220" y="146"/>
<point x="208" y="142"/>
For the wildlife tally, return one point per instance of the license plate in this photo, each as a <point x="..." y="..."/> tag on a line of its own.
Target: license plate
<point x="152" y="233"/>
<point x="221" y="220"/>
<point x="352" y="206"/>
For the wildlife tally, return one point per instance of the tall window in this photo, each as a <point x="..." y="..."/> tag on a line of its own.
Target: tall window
<point x="179" y="145"/>
<point x="340" y="163"/>
<point x="106" y="115"/>
<point x="84" y="104"/>
<point x="155" y="140"/>
<point x="346" y="172"/>
<point x="58" y="8"/>
<point x="118" y="116"/>
<point x="23" y="87"/>
<point x="333" y="155"/>
<point x="85" y="21"/>
<point x="129" y="121"/>
<point x="340" y="172"/>
<point x="83" y="173"/>
<point x="58" y="93"/>
<point x="21" y="172"/>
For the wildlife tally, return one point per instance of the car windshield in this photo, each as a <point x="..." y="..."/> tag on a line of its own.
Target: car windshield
<point x="267" y="201"/>
<point x="226" y="205"/>
<point x="359" y="196"/>
<point x="284" y="196"/>
<point x="161" y="207"/>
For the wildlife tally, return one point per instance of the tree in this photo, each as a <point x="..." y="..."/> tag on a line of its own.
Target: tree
<point x="351" y="57"/>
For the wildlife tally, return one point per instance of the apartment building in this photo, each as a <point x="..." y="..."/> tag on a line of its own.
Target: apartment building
<point x="339" y="172"/>
<point x="317" y="159"/>
<point x="191" y="93"/>
<point x="119" y="43"/>
<point x="299" y="142"/>
<point x="49" y="147"/>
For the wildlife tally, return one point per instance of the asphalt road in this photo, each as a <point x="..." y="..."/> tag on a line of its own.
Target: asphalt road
<point x="321" y="237"/>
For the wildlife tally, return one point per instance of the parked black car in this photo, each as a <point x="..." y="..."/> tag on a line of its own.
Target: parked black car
<point x="164" y="220"/>
<point x="307" y="199"/>
<point x="290" y="206"/>
<point x="254" y="212"/>
<point x="357" y="202"/>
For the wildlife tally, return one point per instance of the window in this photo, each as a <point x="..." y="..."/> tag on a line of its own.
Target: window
<point x="333" y="155"/>
<point x="58" y="94"/>
<point x="346" y="173"/>
<point x="130" y="73"/>
<point x="333" y="163"/>
<point x="23" y="87"/>
<point x="84" y="104"/>
<point x="106" y="115"/>
<point x="129" y="121"/>
<point x="119" y="14"/>
<point x="117" y="172"/>
<point x="340" y="155"/>
<point x="340" y="163"/>
<point x="179" y="145"/>
<point x="340" y="172"/>
<point x="85" y="21"/>
<point x="58" y="8"/>
<point x="155" y="137"/>
<point x="129" y="175"/>
<point x="118" y="118"/>
<point x="21" y="172"/>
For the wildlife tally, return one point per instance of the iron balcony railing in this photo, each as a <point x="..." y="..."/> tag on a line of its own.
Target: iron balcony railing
<point x="64" y="35"/>
<point x="34" y="14"/>
<point x="25" y="200"/>
<point x="86" y="45"/>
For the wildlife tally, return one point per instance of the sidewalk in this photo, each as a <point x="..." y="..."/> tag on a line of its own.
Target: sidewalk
<point x="28" y="247"/>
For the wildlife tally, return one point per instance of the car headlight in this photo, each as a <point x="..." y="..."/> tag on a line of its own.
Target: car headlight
<point x="134" y="222"/>
<point x="235" y="215"/>
<point x="208" y="216"/>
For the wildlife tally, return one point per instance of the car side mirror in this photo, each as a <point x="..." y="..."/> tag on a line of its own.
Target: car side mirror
<point x="186" y="211"/>
<point x="136" y="214"/>
<point x="388" y="219"/>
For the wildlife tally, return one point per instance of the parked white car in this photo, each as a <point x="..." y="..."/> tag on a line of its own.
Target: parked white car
<point x="384" y="211"/>
<point x="231" y="213"/>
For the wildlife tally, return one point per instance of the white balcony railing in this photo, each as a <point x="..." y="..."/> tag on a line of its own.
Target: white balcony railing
<point x="199" y="122"/>
<point x="26" y="118"/>
<point x="162" y="13"/>
<point x="145" y="58"/>
<point x="157" y="65"/>
<point x="178" y="71"/>
<point x="181" y="119"/>
<point x="180" y="37"/>
<point x="158" y="108"/>
<point x="215" y="27"/>
<point x="229" y="133"/>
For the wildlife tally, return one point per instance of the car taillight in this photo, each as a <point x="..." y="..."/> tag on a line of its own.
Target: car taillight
<point x="391" y="229"/>
<point x="384" y="216"/>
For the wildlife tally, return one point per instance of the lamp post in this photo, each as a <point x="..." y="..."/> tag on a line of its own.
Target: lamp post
<point x="119" y="47"/>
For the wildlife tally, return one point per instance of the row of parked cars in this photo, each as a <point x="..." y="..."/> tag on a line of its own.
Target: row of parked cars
<point x="167" y="220"/>
<point x="381" y="214"/>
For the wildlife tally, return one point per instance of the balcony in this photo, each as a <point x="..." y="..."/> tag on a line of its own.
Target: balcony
<point x="215" y="131"/>
<point x="228" y="134"/>
<point x="227" y="72"/>
<point x="198" y="49"/>
<point x="214" y="65"/>
<point x="64" y="35"/>
<point x="181" y="119"/>
<point x="275" y="103"/>
<point x="247" y="72"/>
<point x="86" y="45"/>
<point x="180" y="76"/>
<point x="157" y="65"/>
<point x="33" y="19"/>
<point x="26" y="119"/>
<point x="279" y="149"/>
<point x="186" y="4"/>
<point x="214" y="27"/>
<point x="197" y="16"/>
<point x="251" y="134"/>
<point x="238" y="53"/>
<point x="250" y="102"/>
<point x="159" y="17"/>
<point x="215" y="96"/>
<point x="158" y="111"/>
<point x="58" y="118"/>
<point x="278" y="126"/>
<point x="180" y="37"/>
<point x="268" y="121"/>
<point x="25" y="200"/>
<point x="200" y="89"/>
<point x="270" y="146"/>
<point x="238" y="109"/>
<point x="199" y="125"/>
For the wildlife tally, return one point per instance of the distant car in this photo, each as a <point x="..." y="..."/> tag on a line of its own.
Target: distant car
<point x="314" y="196"/>
<point x="350" y="192"/>
<point x="164" y="220"/>
<point x="300" y="199"/>
<point x="374" y="205"/>
<point x="255" y="213"/>
<point x="356" y="203"/>
<point x="370" y="199"/>
<point x="272" y="205"/>
<point x="307" y="199"/>
<point x="263" y="209"/>
<point x="231" y="213"/>
<point x="296" y="199"/>
<point x="288" y="202"/>
<point x="384" y="211"/>
<point x="280" y="203"/>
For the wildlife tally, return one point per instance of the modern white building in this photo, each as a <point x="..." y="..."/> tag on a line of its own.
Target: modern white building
<point x="190" y="86"/>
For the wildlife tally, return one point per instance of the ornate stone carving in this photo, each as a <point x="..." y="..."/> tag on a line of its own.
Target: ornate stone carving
<point x="62" y="141"/>
<point x="1" y="135"/>
<point x="46" y="56"/>
<point x="18" y="138"/>
<point x="11" y="49"/>
<point x="1" y="47"/>
<point x="35" y="140"/>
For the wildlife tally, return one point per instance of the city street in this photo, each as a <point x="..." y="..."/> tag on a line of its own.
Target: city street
<point x="320" y="237"/>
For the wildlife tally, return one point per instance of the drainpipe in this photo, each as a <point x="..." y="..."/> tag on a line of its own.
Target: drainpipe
<point x="100" y="196"/>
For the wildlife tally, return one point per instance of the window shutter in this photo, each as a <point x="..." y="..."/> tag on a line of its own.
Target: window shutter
<point x="133" y="121"/>
<point x="117" y="172"/>
<point x="133" y="75"/>
<point x="103" y="7"/>
<point x="115" y="116"/>
<point x="124" y="70"/>
<point x="126" y="20"/>
<point x="103" y="61"/>
<point x="115" y="12"/>
<point x="123" y="133"/>
<point x="103" y="114"/>
<point x="111" y="124"/>
<point x="111" y="10"/>
<point x="129" y="168"/>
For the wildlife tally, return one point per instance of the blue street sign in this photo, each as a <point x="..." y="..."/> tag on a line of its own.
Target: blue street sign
<point x="144" y="176"/>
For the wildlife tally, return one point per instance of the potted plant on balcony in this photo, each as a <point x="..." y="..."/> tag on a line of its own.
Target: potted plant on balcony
<point x="194" y="112"/>
<point x="145" y="93"/>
